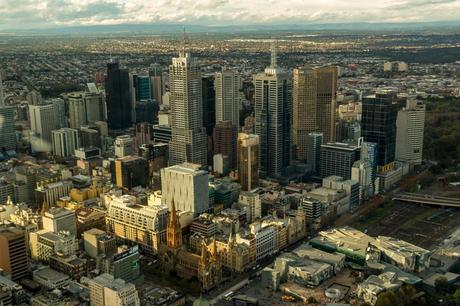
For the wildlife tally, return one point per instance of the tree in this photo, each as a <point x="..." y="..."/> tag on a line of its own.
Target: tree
<point x="442" y="286"/>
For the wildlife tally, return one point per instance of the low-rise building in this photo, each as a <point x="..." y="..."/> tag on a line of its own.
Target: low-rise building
<point x="51" y="279"/>
<point x="370" y="289"/>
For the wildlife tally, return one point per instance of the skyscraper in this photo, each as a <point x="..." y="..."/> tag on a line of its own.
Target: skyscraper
<point x="65" y="141"/>
<point x="13" y="253"/>
<point x="338" y="159"/>
<point x="314" y="106"/>
<point x="248" y="161"/>
<point x="156" y="82"/>
<point x="44" y="119"/>
<point x="188" y="142"/>
<point x="410" y="124"/>
<point x="142" y="89"/>
<point x="2" y="95"/>
<point x="7" y="130"/>
<point x="378" y="124"/>
<point x="314" y="142"/>
<point x="77" y="110"/>
<point x="272" y="118"/>
<point x="119" y="106"/>
<point x="227" y="84"/>
<point x="224" y="137"/>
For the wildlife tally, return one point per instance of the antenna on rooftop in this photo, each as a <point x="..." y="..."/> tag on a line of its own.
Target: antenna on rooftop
<point x="273" y="63"/>
<point x="184" y="43"/>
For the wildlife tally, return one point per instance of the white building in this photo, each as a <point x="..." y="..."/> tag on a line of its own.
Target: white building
<point x="362" y="173"/>
<point x="252" y="203"/>
<point x="124" y="146"/>
<point x="65" y="141"/>
<point x="227" y="84"/>
<point x="60" y="219"/>
<point x="105" y="290"/>
<point x="189" y="141"/>
<point x="143" y="225"/>
<point x="43" y="244"/>
<point x="44" y="119"/>
<point x="410" y="125"/>
<point x="187" y="186"/>
<point x="266" y="239"/>
<point x="77" y="110"/>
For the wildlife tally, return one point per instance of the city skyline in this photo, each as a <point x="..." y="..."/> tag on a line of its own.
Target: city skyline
<point x="60" y="14"/>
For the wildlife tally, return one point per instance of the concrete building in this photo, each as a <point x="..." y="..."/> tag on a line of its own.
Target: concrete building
<point x="189" y="143"/>
<point x="395" y="67"/>
<point x="60" y="219"/>
<point x="227" y="84"/>
<point x="143" y="225"/>
<point x="43" y="244"/>
<point x="266" y="239"/>
<point x="248" y="161"/>
<point x="124" y="146"/>
<point x="314" y="142"/>
<point x="338" y="159"/>
<point x="410" y="125"/>
<point x="314" y="94"/>
<point x="65" y="141"/>
<point x="187" y="186"/>
<point x="51" y="279"/>
<point x="77" y="110"/>
<point x="7" y="130"/>
<point x="370" y="289"/>
<point x="13" y="253"/>
<point x="95" y="106"/>
<point x="252" y="204"/>
<point x="97" y="243"/>
<point x="272" y="96"/>
<point x="336" y="260"/>
<point x="124" y="264"/>
<point x="362" y="173"/>
<point x="105" y="290"/>
<point x="44" y="119"/>
<point x="224" y="136"/>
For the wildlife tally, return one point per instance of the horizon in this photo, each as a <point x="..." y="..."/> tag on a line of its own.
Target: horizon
<point x="27" y="15"/>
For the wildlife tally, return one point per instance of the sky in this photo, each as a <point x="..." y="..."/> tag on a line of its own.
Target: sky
<point x="30" y="14"/>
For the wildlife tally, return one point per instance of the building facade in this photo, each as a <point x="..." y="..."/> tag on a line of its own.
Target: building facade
<point x="227" y="84"/>
<point x="410" y="125"/>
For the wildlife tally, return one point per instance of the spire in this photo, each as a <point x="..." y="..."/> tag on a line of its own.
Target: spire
<point x="273" y="63"/>
<point x="183" y="51"/>
<point x="204" y="254"/>
<point x="214" y="249"/>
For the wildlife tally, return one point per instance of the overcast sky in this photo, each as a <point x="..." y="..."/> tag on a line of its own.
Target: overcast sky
<point x="16" y="14"/>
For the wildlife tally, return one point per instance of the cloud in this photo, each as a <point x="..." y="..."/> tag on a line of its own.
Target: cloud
<point x="52" y="13"/>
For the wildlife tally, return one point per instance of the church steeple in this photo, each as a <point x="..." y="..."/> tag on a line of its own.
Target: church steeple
<point x="204" y="254"/>
<point x="174" y="230"/>
<point x="214" y="253"/>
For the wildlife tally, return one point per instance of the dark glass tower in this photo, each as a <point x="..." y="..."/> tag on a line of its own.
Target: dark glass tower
<point x="118" y="97"/>
<point x="378" y="125"/>
<point x="209" y="103"/>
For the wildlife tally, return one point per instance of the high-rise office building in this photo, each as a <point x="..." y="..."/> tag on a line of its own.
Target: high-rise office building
<point x="224" y="136"/>
<point x="124" y="146"/>
<point x="156" y="82"/>
<point x="314" y="106"/>
<point x="60" y="219"/>
<point x="44" y="119"/>
<point x="131" y="171"/>
<point x="187" y="186"/>
<point x="7" y="130"/>
<point x="228" y="84"/>
<point x="95" y="106"/>
<point x="369" y="152"/>
<point x="337" y="159"/>
<point x="90" y="137"/>
<point x="410" y="125"/>
<point x="13" y="252"/>
<point x="248" y="161"/>
<point x="362" y="173"/>
<point x="142" y="89"/>
<point x="119" y="106"/>
<point x="77" y="110"/>
<point x="209" y="103"/>
<point x="188" y="142"/>
<point x="2" y="94"/>
<point x="378" y="124"/>
<point x="314" y="142"/>
<point x="147" y="111"/>
<point x="272" y="118"/>
<point x="65" y="141"/>
<point x="144" y="134"/>
<point x="105" y="290"/>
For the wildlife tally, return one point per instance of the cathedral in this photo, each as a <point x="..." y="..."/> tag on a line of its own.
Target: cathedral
<point x="174" y="256"/>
